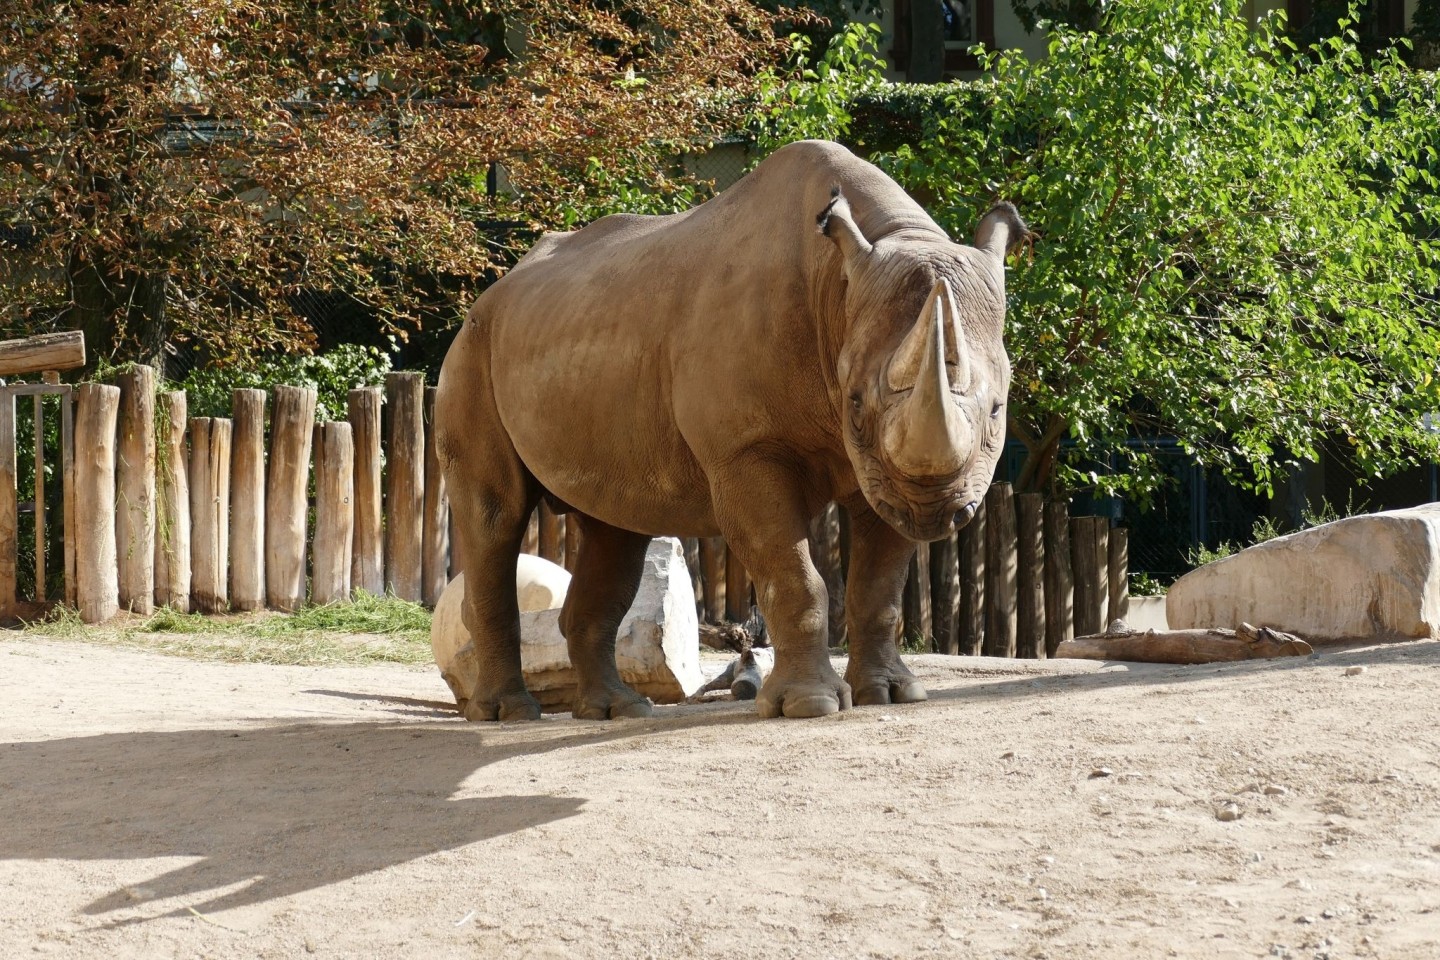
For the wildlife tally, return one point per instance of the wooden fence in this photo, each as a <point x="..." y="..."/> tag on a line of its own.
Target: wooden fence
<point x="215" y="514"/>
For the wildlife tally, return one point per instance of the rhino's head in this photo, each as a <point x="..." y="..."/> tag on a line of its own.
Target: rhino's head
<point x="923" y="370"/>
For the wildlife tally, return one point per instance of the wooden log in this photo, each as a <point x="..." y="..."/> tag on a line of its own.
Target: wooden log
<point x="404" y="483"/>
<point x="1119" y="574"/>
<point x="71" y="522"/>
<point x="737" y="588"/>
<point x="712" y="577"/>
<point x="531" y="542"/>
<point x="172" y="499"/>
<point x="1059" y="581"/>
<point x="40" y="531"/>
<point x="247" y="500"/>
<point x="1089" y="575"/>
<point x="691" y="546"/>
<point x="292" y="422"/>
<point x="48" y="351"/>
<point x="1030" y="576"/>
<point x="945" y="593"/>
<point x="970" y="625"/>
<point x="96" y="577"/>
<point x="827" y="555"/>
<point x="572" y="542"/>
<point x="135" y="497"/>
<point x="334" y="513"/>
<point x="9" y="507"/>
<point x="915" y="609"/>
<point x="435" y="525"/>
<point x="367" y="567"/>
<point x="551" y="535"/>
<point x="1000" y="565"/>
<point x="210" y="514"/>
<point x="1186" y="646"/>
<point x="1102" y="568"/>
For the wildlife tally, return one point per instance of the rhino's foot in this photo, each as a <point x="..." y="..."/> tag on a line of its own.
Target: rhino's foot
<point x="809" y="697"/>
<point x="513" y="706"/>
<point x="891" y="683"/>
<point x="612" y="703"/>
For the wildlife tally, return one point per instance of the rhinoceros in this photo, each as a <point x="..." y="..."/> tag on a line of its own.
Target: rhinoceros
<point x="809" y="335"/>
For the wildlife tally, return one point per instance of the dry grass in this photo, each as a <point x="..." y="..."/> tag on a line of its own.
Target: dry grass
<point x="369" y="629"/>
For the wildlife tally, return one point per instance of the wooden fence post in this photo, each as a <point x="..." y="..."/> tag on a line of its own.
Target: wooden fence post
<point x="1059" y="581"/>
<point x="945" y="593"/>
<point x="247" y="500"/>
<point x="9" y="507"/>
<point x="1119" y="572"/>
<point x="210" y="514"/>
<point x="572" y="543"/>
<point x="1089" y="549"/>
<point x="97" y="580"/>
<point x="712" y="577"/>
<point x="334" y="513"/>
<point x="1000" y="563"/>
<point x="367" y="568"/>
<point x="172" y="485"/>
<point x="1102" y="570"/>
<point x="737" y="588"/>
<point x="531" y="542"/>
<point x="435" y="530"/>
<point x="404" y="483"/>
<point x="915" y="600"/>
<point x="135" y="475"/>
<point x="1030" y="575"/>
<point x="550" y="534"/>
<point x="971" y="622"/>
<point x="292" y="423"/>
<point x="691" y="546"/>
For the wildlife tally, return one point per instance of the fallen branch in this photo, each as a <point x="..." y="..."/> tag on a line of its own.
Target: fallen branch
<point x="1246" y="642"/>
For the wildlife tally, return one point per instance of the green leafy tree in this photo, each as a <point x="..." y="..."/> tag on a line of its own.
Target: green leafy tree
<point x="179" y="169"/>
<point x="1237" y="243"/>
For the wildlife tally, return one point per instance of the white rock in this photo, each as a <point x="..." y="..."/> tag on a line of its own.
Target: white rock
<point x="1375" y="576"/>
<point x="540" y="584"/>
<point x="657" y="648"/>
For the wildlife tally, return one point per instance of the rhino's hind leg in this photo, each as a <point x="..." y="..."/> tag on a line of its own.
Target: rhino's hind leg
<point x="602" y="589"/>
<point x="879" y="562"/>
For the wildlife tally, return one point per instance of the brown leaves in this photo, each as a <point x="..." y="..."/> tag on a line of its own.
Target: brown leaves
<point x="248" y="149"/>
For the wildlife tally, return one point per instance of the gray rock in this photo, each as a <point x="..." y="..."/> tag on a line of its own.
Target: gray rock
<point x="1369" y="577"/>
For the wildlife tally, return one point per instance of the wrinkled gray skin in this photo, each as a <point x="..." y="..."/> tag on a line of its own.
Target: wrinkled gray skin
<point x="809" y="335"/>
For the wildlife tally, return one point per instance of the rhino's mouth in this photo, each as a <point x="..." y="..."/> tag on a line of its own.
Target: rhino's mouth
<point x="925" y="519"/>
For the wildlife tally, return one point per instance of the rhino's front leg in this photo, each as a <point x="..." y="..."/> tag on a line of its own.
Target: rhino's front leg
<point x="879" y="562"/>
<point x="764" y="519"/>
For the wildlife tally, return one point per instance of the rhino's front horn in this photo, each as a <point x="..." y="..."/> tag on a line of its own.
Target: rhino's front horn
<point x="928" y="435"/>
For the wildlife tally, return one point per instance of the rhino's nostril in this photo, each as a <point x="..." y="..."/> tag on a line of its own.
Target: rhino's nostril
<point x="966" y="513"/>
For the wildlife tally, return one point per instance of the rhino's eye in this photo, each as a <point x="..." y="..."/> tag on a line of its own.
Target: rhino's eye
<point x="857" y="402"/>
<point x="995" y="409"/>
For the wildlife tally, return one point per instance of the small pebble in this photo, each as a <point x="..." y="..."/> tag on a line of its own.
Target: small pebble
<point x="1008" y="755"/>
<point x="1305" y="919"/>
<point x="1228" y="812"/>
<point x="1354" y="671"/>
<point x="1275" y="790"/>
<point x="1047" y="859"/>
<point x="1100" y="772"/>
<point x="1042" y="894"/>
<point x="886" y="718"/>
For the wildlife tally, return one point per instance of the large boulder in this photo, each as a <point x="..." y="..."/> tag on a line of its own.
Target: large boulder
<point x="657" y="648"/>
<point x="1370" y="577"/>
<point x="540" y="584"/>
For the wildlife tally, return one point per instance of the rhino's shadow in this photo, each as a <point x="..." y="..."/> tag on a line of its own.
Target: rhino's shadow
<point x="274" y="810"/>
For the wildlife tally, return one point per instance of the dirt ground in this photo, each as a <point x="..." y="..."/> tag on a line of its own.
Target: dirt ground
<point x="158" y="807"/>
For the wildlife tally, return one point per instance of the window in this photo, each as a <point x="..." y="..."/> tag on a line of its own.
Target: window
<point x="961" y="24"/>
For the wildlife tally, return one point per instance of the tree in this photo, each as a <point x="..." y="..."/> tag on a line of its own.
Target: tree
<point x="1237" y="243"/>
<point x="178" y="169"/>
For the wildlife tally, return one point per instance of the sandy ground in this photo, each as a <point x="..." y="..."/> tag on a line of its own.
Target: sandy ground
<point x="157" y="807"/>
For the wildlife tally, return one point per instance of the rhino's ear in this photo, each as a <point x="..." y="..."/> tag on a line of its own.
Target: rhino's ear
<point x="1001" y="230"/>
<point x="837" y="224"/>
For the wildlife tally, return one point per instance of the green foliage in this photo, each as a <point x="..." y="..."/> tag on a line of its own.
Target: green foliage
<point x="1268" y="528"/>
<point x="1077" y="14"/>
<point x="812" y="98"/>
<point x="1144" y="585"/>
<point x="333" y="374"/>
<point x="1237" y="243"/>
